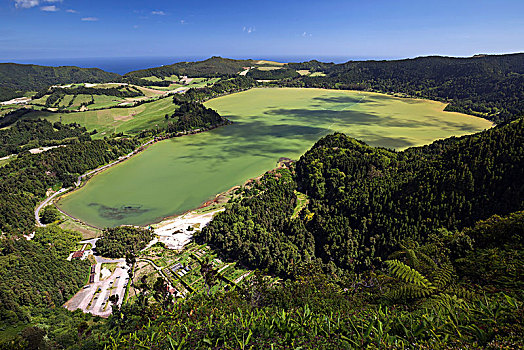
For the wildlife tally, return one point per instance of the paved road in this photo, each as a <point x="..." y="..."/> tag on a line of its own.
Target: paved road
<point x="79" y="181"/>
<point x="91" y="241"/>
<point x="44" y="203"/>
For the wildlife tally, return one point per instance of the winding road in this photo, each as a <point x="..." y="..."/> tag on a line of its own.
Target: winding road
<point x="79" y="181"/>
<point x="44" y="203"/>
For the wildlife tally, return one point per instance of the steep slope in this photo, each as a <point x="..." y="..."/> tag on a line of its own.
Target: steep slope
<point x="363" y="201"/>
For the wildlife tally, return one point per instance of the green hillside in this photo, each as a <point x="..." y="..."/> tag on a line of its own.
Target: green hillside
<point x="15" y="79"/>
<point x="212" y="67"/>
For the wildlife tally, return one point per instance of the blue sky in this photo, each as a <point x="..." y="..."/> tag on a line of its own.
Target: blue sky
<point x="256" y="29"/>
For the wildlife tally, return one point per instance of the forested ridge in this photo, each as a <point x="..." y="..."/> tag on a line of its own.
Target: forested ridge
<point x="489" y="86"/>
<point x="365" y="200"/>
<point x="15" y="79"/>
<point x="212" y="67"/>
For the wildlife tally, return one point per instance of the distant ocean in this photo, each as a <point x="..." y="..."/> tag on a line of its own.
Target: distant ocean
<point x="123" y="65"/>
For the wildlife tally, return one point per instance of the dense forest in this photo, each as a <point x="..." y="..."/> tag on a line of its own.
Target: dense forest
<point x="364" y="201"/>
<point x="273" y="74"/>
<point x="191" y="115"/>
<point x="15" y="79"/>
<point x="36" y="273"/>
<point x="27" y="134"/>
<point x="119" y="242"/>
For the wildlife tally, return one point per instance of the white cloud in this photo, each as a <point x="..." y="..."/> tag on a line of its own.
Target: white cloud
<point x="159" y="13"/>
<point x="51" y="8"/>
<point x="182" y="21"/>
<point x="306" y="34"/>
<point x="135" y="27"/>
<point x="26" y="3"/>
<point x="90" y="19"/>
<point x="248" y="30"/>
<point x="71" y="11"/>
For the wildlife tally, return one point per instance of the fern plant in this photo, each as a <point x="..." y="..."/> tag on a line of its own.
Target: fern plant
<point x="437" y="284"/>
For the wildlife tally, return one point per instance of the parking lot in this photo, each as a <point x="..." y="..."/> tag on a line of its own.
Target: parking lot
<point x="94" y="297"/>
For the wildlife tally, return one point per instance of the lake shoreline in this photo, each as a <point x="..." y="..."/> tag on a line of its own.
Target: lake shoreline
<point x="262" y="133"/>
<point x="81" y="183"/>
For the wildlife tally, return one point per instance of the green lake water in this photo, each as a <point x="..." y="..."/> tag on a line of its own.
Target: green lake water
<point x="179" y="174"/>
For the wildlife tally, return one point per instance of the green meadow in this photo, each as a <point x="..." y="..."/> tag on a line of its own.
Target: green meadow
<point x="179" y="174"/>
<point x="107" y="121"/>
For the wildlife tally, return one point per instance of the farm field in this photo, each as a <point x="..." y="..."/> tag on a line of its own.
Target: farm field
<point x="128" y="120"/>
<point x="195" y="83"/>
<point x="179" y="174"/>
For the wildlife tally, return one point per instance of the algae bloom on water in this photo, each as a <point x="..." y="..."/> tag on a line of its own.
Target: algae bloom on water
<point x="179" y="174"/>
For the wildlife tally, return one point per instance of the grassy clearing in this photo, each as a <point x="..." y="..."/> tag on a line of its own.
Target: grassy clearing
<point x="269" y="63"/>
<point x="302" y="201"/>
<point x="169" y="78"/>
<point x="304" y="72"/>
<point x="87" y="232"/>
<point x="266" y="68"/>
<point x="66" y="100"/>
<point x="153" y="78"/>
<point x="195" y="83"/>
<point x="318" y="74"/>
<point x="127" y="120"/>
<point x="39" y="101"/>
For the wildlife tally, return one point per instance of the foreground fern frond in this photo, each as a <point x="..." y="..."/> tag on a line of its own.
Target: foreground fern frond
<point x="407" y="274"/>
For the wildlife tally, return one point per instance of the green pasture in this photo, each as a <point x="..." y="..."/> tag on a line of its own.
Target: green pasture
<point x="267" y="68"/>
<point x="177" y="175"/>
<point x="107" y="121"/>
<point x="195" y="83"/>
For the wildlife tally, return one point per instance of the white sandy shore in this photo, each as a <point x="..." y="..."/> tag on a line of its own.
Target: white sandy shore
<point x="174" y="232"/>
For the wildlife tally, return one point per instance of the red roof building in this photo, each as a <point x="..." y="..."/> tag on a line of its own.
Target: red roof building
<point x="77" y="255"/>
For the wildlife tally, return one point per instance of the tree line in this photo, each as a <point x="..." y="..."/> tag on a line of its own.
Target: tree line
<point x="26" y="134"/>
